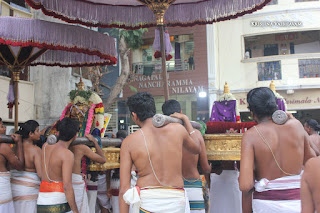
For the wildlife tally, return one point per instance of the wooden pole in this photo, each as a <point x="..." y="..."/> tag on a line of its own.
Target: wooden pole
<point x="164" y="65"/>
<point x="160" y="120"/>
<point x="80" y="140"/>
<point x="16" y="77"/>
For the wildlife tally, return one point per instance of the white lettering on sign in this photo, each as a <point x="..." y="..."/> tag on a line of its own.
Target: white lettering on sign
<point x="181" y="86"/>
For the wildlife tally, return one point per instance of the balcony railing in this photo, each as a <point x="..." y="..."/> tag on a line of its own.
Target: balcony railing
<point x="147" y="68"/>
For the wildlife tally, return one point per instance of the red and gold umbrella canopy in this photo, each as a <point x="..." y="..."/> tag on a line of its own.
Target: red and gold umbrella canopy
<point x="31" y="42"/>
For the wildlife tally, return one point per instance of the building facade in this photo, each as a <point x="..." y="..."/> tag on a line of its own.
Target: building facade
<point x="26" y="88"/>
<point x="187" y="72"/>
<point x="281" y="42"/>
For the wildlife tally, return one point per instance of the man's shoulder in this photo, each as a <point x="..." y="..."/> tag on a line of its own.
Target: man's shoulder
<point x="62" y="152"/>
<point x="5" y="148"/>
<point x="312" y="163"/>
<point x="174" y="127"/>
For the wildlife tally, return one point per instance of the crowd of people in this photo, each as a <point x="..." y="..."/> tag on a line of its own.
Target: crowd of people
<point x="275" y="161"/>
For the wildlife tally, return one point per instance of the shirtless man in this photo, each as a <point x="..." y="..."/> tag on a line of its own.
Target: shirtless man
<point x="25" y="184"/>
<point x="190" y="173"/>
<point x="78" y="183"/>
<point x="7" y="156"/>
<point x="310" y="187"/>
<point x="2" y="128"/>
<point x="56" y="192"/>
<point x="272" y="157"/>
<point x="312" y="127"/>
<point x="157" y="155"/>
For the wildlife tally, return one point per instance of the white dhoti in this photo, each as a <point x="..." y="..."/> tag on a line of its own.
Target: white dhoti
<point x="80" y="193"/>
<point x="6" y="202"/>
<point x="225" y="195"/>
<point x="115" y="185"/>
<point x="52" y="199"/>
<point x="102" y="198"/>
<point x="25" y="189"/>
<point x="281" y="195"/>
<point x="92" y="195"/>
<point x="156" y="199"/>
<point x="194" y="191"/>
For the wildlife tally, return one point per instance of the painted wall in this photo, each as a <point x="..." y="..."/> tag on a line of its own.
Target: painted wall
<point x="5" y="11"/>
<point x="26" y="100"/>
<point x="229" y="49"/>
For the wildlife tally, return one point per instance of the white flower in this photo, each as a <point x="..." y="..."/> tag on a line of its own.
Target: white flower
<point x="95" y="98"/>
<point x="79" y="99"/>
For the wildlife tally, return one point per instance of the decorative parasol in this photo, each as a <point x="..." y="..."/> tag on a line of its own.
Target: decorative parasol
<point x="133" y="14"/>
<point x="31" y="42"/>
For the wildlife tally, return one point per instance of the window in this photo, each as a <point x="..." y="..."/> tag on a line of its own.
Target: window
<point x="5" y="71"/>
<point x="273" y="2"/>
<point x="271" y="49"/>
<point x="309" y="68"/>
<point x="269" y="71"/>
<point x="282" y="44"/>
<point x="182" y="54"/>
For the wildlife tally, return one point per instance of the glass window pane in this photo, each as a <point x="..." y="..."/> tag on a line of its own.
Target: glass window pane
<point x="309" y="68"/>
<point x="269" y="71"/>
<point x="282" y="44"/>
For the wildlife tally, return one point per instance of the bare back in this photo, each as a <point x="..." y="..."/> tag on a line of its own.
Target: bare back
<point x="190" y="165"/>
<point x="287" y="144"/>
<point x="310" y="187"/>
<point x="315" y="139"/>
<point x="52" y="157"/>
<point x="78" y="154"/>
<point x="3" y="160"/>
<point x="165" y="149"/>
<point x="32" y="157"/>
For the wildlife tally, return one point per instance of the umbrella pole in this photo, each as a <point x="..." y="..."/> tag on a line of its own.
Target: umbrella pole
<point x="16" y="78"/>
<point x="164" y="65"/>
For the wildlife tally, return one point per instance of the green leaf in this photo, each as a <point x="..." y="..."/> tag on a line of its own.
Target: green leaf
<point x="133" y="89"/>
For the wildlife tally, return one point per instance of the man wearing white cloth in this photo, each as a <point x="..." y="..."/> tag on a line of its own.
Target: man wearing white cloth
<point x="56" y="194"/>
<point x="192" y="181"/>
<point x="25" y="184"/>
<point x="157" y="156"/>
<point x="273" y="155"/>
<point x="225" y="196"/>
<point x="25" y="189"/>
<point x="8" y="156"/>
<point x="77" y="182"/>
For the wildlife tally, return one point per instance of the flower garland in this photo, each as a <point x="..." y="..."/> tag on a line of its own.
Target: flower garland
<point x="89" y="121"/>
<point x="96" y="110"/>
<point x="65" y="111"/>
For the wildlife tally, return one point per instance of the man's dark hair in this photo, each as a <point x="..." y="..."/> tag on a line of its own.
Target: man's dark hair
<point x="27" y="127"/>
<point x="0" y="119"/>
<point x="171" y="106"/>
<point x="313" y="124"/>
<point x="262" y="102"/>
<point x="67" y="128"/>
<point x="122" y="134"/>
<point x="142" y="103"/>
